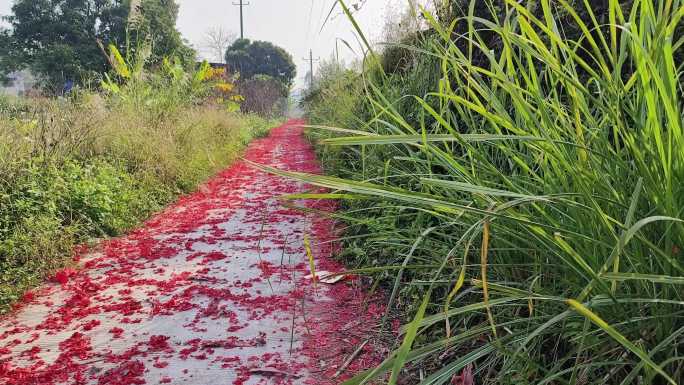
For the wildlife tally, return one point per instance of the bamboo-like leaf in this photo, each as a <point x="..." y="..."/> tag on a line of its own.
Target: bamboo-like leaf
<point x="553" y="127"/>
<point x="321" y="196"/>
<point x="628" y="223"/>
<point x="446" y="373"/>
<point x="427" y="350"/>
<point x="644" y="277"/>
<point x="457" y="287"/>
<point x="581" y="309"/>
<point x="433" y="319"/>
<point x="484" y="254"/>
<point x="629" y="234"/>
<point x="468" y="187"/>
<point x="117" y="60"/>
<point x="341" y="130"/>
<point x="411" y="332"/>
<point x="667" y="342"/>
<point x="374" y="58"/>
<point x="400" y="273"/>
<point x="417" y="139"/>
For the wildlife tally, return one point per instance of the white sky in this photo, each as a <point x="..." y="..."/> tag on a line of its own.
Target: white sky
<point x="292" y="24"/>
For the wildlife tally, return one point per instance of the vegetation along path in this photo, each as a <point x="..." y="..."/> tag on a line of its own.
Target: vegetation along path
<point x="213" y="290"/>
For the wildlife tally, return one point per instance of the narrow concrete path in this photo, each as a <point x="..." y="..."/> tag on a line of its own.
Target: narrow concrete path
<point x="211" y="291"/>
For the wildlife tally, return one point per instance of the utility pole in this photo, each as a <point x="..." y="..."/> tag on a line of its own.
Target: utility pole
<point x="242" y="23"/>
<point x="311" y="60"/>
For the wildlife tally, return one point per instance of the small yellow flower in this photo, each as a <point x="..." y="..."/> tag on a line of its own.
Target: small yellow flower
<point x="225" y="87"/>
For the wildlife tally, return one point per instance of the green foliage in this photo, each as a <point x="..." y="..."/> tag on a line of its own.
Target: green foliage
<point x="36" y="245"/>
<point x="530" y="192"/>
<point x="334" y="100"/>
<point x="98" y="196"/>
<point x="48" y="206"/>
<point x="57" y="40"/>
<point x="160" y="92"/>
<point x="263" y="95"/>
<point x="156" y="25"/>
<point x="8" y="62"/>
<point x="85" y="168"/>
<point x="251" y="58"/>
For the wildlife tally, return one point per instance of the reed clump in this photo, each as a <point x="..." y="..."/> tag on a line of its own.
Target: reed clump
<point x="526" y="209"/>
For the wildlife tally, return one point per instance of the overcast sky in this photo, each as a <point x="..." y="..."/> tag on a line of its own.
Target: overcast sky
<point x="292" y="24"/>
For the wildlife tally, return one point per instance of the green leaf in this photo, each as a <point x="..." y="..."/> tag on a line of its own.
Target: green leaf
<point x="593" y="317"/>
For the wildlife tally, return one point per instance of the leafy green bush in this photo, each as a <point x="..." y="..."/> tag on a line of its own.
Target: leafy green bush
<point x="90" y="167"/>
<point x="527" y="211"/>
<point x="155" y="93"/>
<point x="50" y="206"/>
<point x="34" y="246"/>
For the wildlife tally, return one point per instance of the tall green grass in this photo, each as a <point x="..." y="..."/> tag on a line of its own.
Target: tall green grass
<point x="533" y="211"/>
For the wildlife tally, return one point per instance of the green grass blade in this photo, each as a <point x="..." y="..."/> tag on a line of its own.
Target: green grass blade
<point x="581" y="309"/>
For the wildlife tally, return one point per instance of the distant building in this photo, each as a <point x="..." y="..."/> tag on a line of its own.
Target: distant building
<point x="20" y="83"/>
<point x="218" y="65"/>
<point x="215" y="65"/>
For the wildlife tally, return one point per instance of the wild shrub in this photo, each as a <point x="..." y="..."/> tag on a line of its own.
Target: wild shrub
<point x="264" y="95"/>
<point x="93" y="166"/>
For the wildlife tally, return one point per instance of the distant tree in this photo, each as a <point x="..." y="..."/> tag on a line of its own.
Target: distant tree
<point x="216" y="42"/>
<point x="264" y="95"/>
<point x="261" y="58"/>
<point x="155" y="21"/>
<point x="57" y="39"/>
<point x="8" y="62"/>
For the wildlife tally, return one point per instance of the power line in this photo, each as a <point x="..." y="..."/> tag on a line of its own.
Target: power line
<point x="311" y="60"/>
<point x="311" y="30"/>
<point x="242" y="24"/>
<point x="308" y="31"/>
<point x="321" y="14"/>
